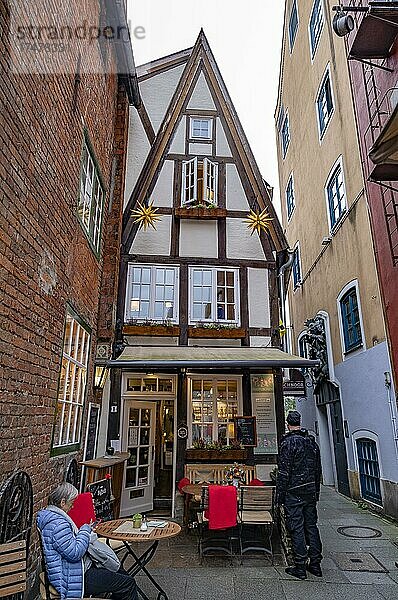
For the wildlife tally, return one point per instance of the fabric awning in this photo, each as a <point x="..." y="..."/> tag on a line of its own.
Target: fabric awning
<point x="175" y="357"/>
<point x="384" y="152"/>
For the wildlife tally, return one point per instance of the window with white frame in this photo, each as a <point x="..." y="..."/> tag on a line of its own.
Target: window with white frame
<point x="296" y="268"/>
<point x="199" y="182"/>
<point x="91" y="200"/>
<point x="290" y="203"/>
<point x="324" y="103"/>
<point x="214" y="294"/>
<point x="293" y="24"/>
<point x="152" y="292"/>
<point x="350" y="320"/>
<point x="335" y="192"/>
<point x="201" y="128"/>
<point x="316" y="25"/>
<point x="214" y="404"/>
<point x="285" y="135"/>
<point x="72" y="383"/>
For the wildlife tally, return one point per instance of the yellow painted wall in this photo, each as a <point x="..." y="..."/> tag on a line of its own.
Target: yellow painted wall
<point x="350" y="254"/>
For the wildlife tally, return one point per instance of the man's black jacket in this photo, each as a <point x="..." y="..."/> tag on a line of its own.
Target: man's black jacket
<point x="299" y="466"/>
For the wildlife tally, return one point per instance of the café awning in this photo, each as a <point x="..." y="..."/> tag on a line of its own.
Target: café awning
<point x="384" y="152"/>
<point x="194" y="357"/>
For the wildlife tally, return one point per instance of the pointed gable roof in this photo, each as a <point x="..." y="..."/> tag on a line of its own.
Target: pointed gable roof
<point x="201" y="58"/>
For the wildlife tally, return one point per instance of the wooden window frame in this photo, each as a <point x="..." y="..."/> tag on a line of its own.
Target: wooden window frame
<point x="213" y="301"/>
<point x="152" y="293"/>
<point x="190" y="187"/>
<point x="90" y="209"/>
<point x="74" y="363"/>
<point x="215" y="419"/>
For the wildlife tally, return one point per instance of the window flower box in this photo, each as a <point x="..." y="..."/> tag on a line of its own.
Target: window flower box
<point x="216" y="332"/>
<point x="215" y="455"/>
<point x="200" y="213"/>
<point x="152" y="330"/>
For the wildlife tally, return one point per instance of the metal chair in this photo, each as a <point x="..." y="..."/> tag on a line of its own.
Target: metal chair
<point x="256" y="512"/>
<point x="210" y="540"/>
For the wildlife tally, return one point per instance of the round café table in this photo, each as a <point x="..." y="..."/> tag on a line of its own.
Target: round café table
<point x="191" y="490"/>
<point x="155" y="535"/>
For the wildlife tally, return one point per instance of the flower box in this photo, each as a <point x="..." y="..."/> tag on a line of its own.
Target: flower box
<point x="223" y="332"/>
<point x="153" y="330"/>
<point x="200" y="213"/>
<point x="215" y="455"/>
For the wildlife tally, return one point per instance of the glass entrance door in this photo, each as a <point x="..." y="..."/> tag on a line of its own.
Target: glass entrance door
<point x="139" y="442"/>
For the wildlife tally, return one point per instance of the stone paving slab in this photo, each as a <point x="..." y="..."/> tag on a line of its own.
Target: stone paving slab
<point x="308" y="590"/>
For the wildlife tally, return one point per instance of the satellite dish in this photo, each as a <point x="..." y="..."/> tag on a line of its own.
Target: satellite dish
<point x="342" y="24"/>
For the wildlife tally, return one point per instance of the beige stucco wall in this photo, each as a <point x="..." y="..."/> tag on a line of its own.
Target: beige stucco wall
<point x="201" y="97"/>
<point x="311" y="161"/>
<point x="198" y="238"/>
<point x="153" y="242"/>
<point x="258" y="297"/>
<point x="157" y="92"/>
<point x="162" y="194"/>
<point x="137" y="151"/>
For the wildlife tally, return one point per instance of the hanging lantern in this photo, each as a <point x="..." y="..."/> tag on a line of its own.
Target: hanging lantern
<point x="145" y="216"/>
<point x="258" y="221"/>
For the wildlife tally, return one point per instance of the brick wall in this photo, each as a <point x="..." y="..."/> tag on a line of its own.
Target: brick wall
<point x="45" y="258"/>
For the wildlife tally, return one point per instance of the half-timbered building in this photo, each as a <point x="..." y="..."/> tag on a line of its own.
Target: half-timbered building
<point x="198" y="310"/>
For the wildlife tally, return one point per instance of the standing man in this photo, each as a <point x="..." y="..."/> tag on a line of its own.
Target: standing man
<point x="298" y="486"/>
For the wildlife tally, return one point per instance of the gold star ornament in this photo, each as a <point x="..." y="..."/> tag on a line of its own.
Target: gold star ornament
<point x="145" y="216"/>
<point x="258" y="221"/>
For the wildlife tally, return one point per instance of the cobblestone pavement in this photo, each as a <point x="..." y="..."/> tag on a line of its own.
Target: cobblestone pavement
<point x="177" y="567"/>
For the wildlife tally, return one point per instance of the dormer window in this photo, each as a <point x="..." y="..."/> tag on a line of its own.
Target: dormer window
<point x="201" y="128"/>
<point x="199" y="182"/>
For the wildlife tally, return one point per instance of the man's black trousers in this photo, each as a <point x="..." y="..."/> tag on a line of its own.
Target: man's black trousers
<point x="301" y="522"/>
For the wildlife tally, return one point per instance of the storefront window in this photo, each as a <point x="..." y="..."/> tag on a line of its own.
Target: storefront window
<point x="214" y="405"/>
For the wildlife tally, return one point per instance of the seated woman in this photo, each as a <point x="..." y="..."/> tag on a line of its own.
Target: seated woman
<point x="69" y="568"/>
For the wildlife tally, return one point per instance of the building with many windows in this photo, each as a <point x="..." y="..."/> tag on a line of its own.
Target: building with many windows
<point x="334" y="300"/>
<point x="198" y="309"/>
<point x="372" y="53"/>
<point x="63" y="151"/>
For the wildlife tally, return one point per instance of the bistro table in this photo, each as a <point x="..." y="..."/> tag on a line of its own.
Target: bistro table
<point x="191" y="490"/>
<point x="154" y="536"/>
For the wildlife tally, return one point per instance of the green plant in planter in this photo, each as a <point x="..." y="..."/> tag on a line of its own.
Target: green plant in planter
<point x="137" y="520"/>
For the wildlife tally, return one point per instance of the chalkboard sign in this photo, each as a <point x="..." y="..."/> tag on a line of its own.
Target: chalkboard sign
<point x="102" y="498"/>
<point x="92" y="431"/>
<point x="245" y="431"/>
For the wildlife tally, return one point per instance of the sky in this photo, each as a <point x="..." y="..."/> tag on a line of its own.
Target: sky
<point x="245" y="38"/>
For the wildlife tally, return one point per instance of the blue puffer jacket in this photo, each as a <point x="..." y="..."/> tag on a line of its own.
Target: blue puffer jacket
<point x="64" y="548"/>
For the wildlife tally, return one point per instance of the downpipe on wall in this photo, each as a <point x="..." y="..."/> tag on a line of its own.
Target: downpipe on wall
<point x="387" y="383"/>
<point x="281" y="281"/>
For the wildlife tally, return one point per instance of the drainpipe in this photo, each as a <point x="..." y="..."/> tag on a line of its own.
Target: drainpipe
<point x="281" y="281"/>
<point x="387" y="383"/>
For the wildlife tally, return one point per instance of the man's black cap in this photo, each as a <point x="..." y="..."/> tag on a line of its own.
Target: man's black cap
<point x="293" y="418"/>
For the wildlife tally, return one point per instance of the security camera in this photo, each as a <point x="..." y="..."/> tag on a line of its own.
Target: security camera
<point x="342" y="23"/>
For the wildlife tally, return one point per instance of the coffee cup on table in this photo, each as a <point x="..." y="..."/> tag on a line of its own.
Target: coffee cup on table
<point x="110" y="450"/>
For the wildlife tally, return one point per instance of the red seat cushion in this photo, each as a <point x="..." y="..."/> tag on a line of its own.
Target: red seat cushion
<point x="256" y="482"/>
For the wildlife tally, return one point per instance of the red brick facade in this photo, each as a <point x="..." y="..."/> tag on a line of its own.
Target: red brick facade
<point x="46" y="261"/>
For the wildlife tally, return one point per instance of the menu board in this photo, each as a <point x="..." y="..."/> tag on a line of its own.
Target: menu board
<point x="92" y="431"/>
<point x="102" y="498"/>
<point x="245" y="430"/>
<point x="263" y="407"/>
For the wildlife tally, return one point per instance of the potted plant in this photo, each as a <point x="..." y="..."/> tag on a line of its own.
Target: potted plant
<point x="137" y="520"/>
<point x="216" y="451"/>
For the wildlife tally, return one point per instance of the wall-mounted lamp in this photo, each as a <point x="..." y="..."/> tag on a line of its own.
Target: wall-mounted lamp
<point x="101" y="373"/>
<point x="342" y="23"/>
<point x="326" y="241"/>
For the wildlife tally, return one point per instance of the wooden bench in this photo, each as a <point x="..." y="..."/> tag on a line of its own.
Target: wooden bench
<point x="215" y="473"/>
<point x="12" y="568"/>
